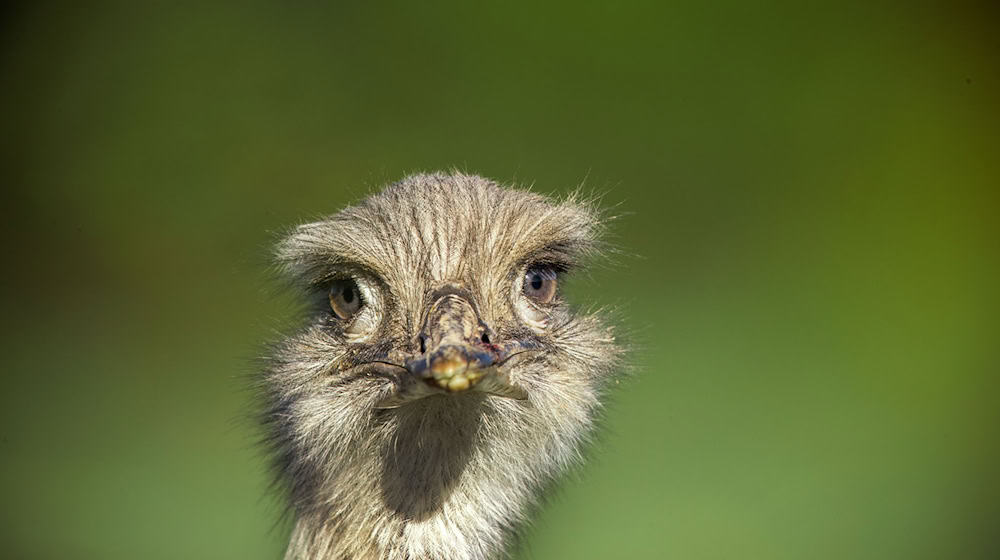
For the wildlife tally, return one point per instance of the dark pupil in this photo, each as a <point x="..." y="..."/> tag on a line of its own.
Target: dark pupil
<point x="348" y="294"/>
<point x="536" y="281"/>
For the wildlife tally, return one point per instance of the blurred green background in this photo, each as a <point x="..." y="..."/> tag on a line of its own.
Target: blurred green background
<point x="810" y="199"/>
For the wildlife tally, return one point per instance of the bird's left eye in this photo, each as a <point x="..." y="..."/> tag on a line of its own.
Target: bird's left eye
<point x="540" y="284"/>
<point x="345" y="298"/>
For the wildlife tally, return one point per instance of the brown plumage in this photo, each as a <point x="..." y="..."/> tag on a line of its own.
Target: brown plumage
<point x="441" y="380"/>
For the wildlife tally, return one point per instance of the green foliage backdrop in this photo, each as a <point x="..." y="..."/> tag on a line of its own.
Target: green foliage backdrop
<point x="809" y="200"/>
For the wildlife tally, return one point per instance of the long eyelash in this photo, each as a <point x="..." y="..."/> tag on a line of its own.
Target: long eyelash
<point x="341" y="271"/>
<point x="559" y="268"/>
<point x="560" y="256"/>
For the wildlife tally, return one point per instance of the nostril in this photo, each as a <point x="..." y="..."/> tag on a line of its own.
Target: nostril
<point x="423" y="344"/>
<point x="485" y="338"/>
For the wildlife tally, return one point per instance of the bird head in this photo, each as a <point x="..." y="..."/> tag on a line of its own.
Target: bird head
<point x="439" y="362"/>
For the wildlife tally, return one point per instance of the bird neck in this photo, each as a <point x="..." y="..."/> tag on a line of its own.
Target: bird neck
<point x="444" y="479"/>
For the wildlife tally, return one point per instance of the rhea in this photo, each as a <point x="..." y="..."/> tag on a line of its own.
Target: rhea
<point x="440" y="380"/>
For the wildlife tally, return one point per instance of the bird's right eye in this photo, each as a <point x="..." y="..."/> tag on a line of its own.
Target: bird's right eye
<point x="345" y="298"/>
<point x="540" y="284"/>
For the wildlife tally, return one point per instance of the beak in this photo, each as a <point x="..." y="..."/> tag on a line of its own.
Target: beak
<point x="458" y="356"/>
<point x="453" y="367"/>
<point x="461" y="368"/>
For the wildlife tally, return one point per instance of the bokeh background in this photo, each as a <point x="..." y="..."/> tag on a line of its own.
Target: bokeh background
<point x="809" y="200"/>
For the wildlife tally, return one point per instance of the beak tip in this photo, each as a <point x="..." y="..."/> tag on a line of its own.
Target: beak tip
<point x="459" y="383"/>
<point x="448" y="367"/>
<point x="453" y="375"/>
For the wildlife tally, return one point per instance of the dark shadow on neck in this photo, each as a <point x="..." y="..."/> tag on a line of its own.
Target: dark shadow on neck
<point x="433" y="443"/>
